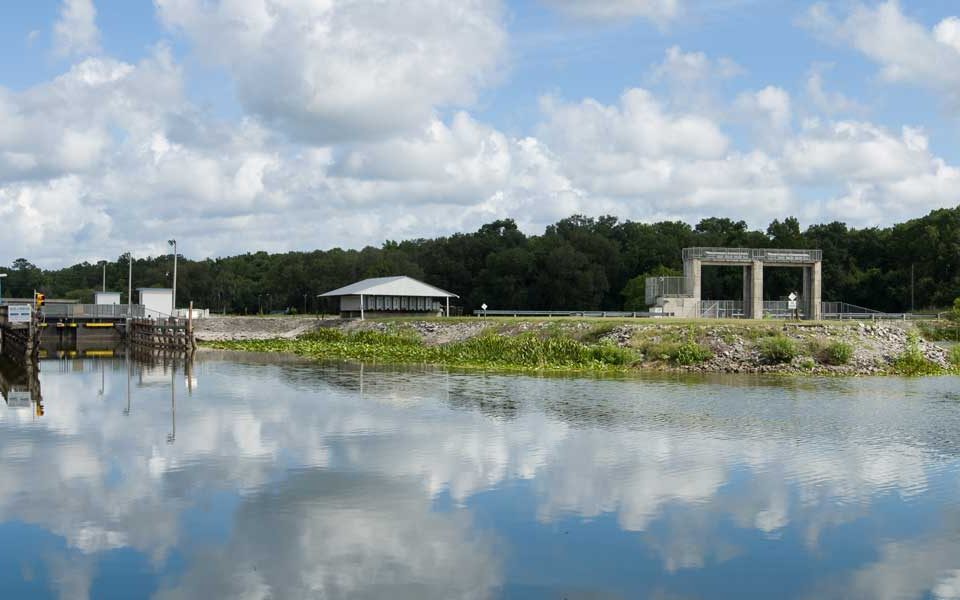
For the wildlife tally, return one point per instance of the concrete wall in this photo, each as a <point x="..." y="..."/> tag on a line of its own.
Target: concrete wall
<point x="157" y="303"/>
<point x="686" y="308"/>
<point x="349" y="303"/>
<point x="106" y="298"/>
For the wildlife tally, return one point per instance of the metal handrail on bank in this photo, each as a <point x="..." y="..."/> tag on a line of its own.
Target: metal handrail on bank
<point x="779" y="255"/>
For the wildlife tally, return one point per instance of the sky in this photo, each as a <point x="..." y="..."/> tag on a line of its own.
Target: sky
<point x="235" y="126"/>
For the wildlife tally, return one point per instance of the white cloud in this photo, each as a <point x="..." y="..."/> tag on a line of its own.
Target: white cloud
<point x="656" y="163"/>
<point x="656" y="10"/>
<point x="906" y="50"/>
<point x="768" y="112"/>
<point x="693" y="80"/>
<point x="689" y="68"/>
<point x="129" y="162"/>
<point x="328" y="72"/>
<point x="850" y="151"/>
<point x="826" y="101"/>
<point x="947" y="32"/>
<point x="76" y="32"/>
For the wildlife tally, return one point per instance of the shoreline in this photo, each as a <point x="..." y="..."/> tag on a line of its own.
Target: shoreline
<point x="845" y="348"/>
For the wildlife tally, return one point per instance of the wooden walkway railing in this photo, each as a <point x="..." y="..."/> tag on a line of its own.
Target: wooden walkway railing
<point x="169" y="335"/>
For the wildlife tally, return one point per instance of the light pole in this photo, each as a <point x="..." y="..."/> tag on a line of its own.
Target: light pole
<point x="2" y="275"/>
<point x="174" y="244"/>
<point x="129" y="284"/>
<point x="104" y="288"/>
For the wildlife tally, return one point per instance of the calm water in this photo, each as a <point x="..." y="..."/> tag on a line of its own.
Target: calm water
<point x="261" y="477"/>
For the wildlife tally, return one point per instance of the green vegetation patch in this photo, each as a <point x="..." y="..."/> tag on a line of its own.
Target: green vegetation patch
<point x="912" y="362"/>
<point x="685" y="354"/>
<point x="524" y="351"/>
<point x="837" y="353"/>
<point x="942" y="331"/>
<point x="594" y="333"/>
<point x="954" y="356"/>
<point x="778" y="349"/>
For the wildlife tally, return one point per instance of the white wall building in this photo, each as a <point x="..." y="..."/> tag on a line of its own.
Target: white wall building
<point x="106" y="298"/>
<point x="391" y="295"/>
<point x="157" y="302"/>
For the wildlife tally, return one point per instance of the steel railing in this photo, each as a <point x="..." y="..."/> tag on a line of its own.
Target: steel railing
<point x="568" y="313"/>
<point x="773" y="255"/>
<point x="721" y="309"/>
<point x="664" y="287"/>
<point x="93" y="311"/>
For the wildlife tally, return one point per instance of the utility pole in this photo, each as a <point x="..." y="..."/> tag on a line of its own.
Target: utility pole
<point x="104" y="277"/>
<point x="129" y="284"/>
<point x="305" y="303"/>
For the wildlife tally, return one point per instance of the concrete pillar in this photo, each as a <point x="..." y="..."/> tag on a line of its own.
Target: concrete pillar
<point x="816" y="295"/>
<point x="691" y="273"/>
<point x="756" y="290"/>
<point x="747" y="292"/>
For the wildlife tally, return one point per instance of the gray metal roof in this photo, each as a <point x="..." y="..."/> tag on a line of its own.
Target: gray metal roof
<point x="391" y="286"/>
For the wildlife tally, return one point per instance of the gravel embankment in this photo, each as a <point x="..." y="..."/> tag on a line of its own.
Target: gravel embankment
<point x="220" y="329"/>
<point x="735" y="346"/>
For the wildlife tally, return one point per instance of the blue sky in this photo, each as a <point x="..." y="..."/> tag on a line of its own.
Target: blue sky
<point x="311" y="124"/>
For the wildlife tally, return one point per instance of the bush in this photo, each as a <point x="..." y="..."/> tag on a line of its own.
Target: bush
<point x="685" y="354"/>
<point x="838" y="353"/>
<point x="955" y="355"/>
<point x="954" y="314"/>
<point x="610" y="354"/>
<point x="940" y="331"/>
<point x="661" y="351"/>
<point x="692" y="353"/>
<point x="912" y="361"/>
<point x="778" y="349"/>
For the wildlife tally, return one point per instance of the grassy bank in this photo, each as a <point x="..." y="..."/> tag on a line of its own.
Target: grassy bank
<point x="597" y="345"/>
<point x="525" y="351"/>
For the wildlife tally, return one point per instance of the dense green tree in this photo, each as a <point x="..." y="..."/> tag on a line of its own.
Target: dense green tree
<point x="579" y="262"/>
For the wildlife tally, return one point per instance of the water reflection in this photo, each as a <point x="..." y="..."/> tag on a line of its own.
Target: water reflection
<point x="20" y="386"/>
<point x="257" y="477"/>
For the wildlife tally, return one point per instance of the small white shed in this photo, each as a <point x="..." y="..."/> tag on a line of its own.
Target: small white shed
<point x="157" y="302"/>
<point x="106" y="298"/>
<point x="391" y="295"/>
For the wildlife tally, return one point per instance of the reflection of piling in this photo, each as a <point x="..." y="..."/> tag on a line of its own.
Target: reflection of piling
<point x="172" y="436"/>
<point x="33" y="377"/>
<point x="20" y="384"/>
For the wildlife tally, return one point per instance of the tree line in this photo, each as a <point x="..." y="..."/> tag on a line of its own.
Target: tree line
<point x="577" y="263"/>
